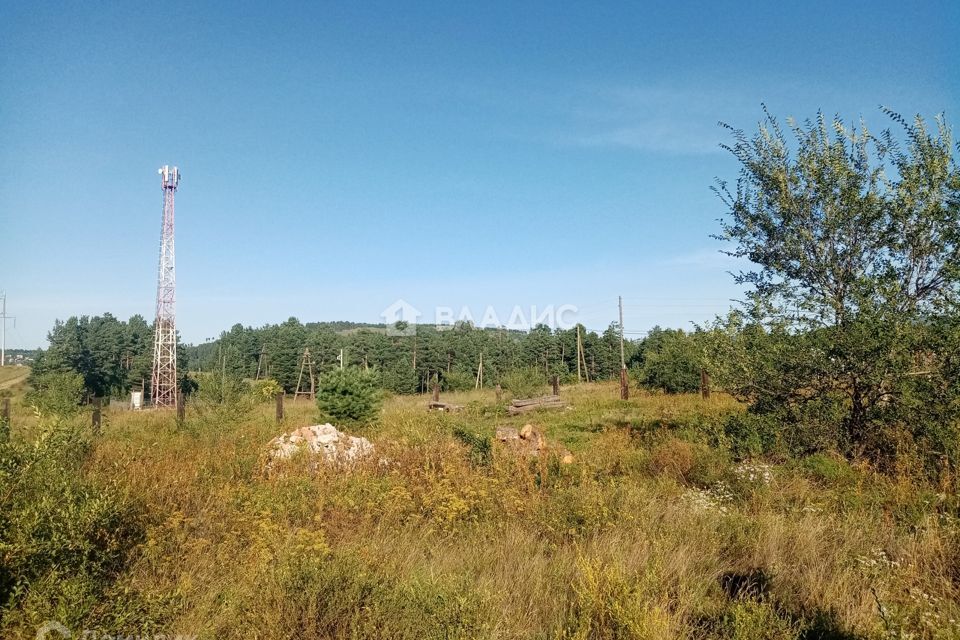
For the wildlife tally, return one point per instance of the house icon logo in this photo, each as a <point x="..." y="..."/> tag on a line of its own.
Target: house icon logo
<point x="400" y="318"/>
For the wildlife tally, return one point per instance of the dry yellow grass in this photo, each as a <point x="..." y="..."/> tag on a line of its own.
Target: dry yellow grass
<point x="12" y="375"/>
<point x="427" y="541"/>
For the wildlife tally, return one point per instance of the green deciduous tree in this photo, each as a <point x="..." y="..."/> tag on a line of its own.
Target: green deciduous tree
<point x="855" y="242"/>
<point x="670" y="360"/>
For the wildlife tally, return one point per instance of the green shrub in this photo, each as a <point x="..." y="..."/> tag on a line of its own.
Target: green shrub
<point x="222" y="399"/>
<point x="524" y="383"/>
<point x="264" y="390"/>
<point x="56" y="393"/>
<point x="750" y="620"/>
<point x="226" y="389"/>
<point x="457" y="381"/>
<point x="348" y="396"/>
<point x="827" y="468"/>
<point x="671" y="361"/>
<point x="750" y="435"/>
<point x="773" y="426"/>
<point x="63" y="540"/>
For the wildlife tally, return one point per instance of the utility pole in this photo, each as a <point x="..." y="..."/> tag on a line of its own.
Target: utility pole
<point x="3" y="328"/>
<point x="623" y="364"/>
<point x="582" y="357"/>
<point x="479" y="384"/>
<point x="223" y="368"/>
<point x="624" y="383"/>
<point x="578" y="353"/>
<point x="306" y="365"/>
<point x="262" y="365"/>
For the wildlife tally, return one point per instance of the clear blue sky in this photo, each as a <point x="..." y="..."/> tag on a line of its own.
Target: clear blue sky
<point x="336" y="157"/>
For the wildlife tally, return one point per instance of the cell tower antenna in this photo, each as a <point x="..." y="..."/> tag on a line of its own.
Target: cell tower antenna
<point x="163" y="388"/>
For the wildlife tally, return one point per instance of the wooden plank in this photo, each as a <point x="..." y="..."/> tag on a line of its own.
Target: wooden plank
<point x="523" y="402"/>
<point x="535" y="407"/>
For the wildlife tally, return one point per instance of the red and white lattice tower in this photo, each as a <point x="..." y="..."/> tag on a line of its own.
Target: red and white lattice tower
<point x="163" y="389"/>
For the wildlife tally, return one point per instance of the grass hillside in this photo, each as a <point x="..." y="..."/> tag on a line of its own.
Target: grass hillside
<point x="654" y="531"/>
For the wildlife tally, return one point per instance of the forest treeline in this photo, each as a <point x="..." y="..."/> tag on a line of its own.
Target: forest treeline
<point x="409" y="363"/>
<point x="114" y="357"/>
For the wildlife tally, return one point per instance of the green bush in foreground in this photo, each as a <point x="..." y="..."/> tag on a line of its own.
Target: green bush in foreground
<point x="63" y="540"/>
<point x="56" y="393"/>
<point x="349" y="396"/>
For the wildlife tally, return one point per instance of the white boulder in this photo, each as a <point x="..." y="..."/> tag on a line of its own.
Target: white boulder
<point x="322" y="440"/>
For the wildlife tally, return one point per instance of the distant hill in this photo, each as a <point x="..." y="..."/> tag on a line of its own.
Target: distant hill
<point x="342" y="326"/>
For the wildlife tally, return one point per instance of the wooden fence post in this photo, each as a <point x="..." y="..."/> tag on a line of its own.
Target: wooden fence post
<point x="555" y="382"/>
<point x="96" y="418"/>
<point x="279" y="398"/>
<point x="181" y="407"/>
<point x="499" y="391"/>
<point x="436" y="390"/>
<point x="5" y="420"/>
<point x="704" y="384"/>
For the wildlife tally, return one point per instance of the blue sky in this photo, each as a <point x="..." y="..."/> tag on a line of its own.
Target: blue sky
<point x="337" y="157"/>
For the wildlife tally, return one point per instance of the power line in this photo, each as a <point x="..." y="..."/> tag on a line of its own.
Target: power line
<point x="624" y="383"/>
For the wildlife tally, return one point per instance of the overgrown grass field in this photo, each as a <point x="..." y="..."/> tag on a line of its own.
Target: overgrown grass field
<point x="654" y="531"/>
<point x="11" y="376"/>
